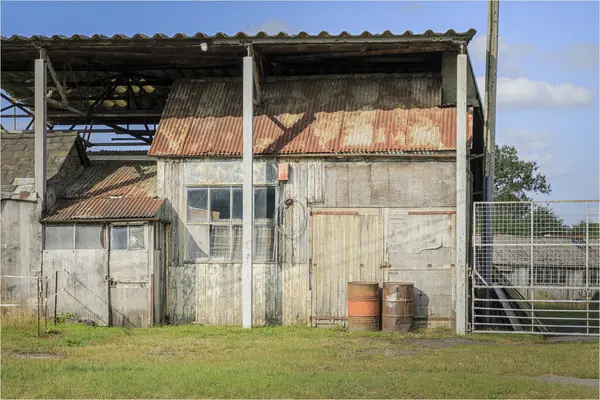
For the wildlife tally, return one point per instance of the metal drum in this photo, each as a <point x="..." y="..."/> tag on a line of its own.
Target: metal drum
<point x="397" y="313"/>
<point x="363" y="306"/>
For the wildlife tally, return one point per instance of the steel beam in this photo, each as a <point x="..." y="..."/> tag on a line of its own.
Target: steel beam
<point x="59" y="86"/>
<point x="40" y="130"/>
<point x="248" y="192"/>
<point x="461" y="194"/>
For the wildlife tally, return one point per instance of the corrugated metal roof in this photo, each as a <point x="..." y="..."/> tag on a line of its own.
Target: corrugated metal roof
<point x="105" y="208"/>
<point x="111" y="190"/>
<point x="242" y="35"/>
<point x="346" y="115"/>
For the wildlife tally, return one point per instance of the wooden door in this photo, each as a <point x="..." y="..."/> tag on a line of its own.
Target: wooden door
<point x="346" y="246"/>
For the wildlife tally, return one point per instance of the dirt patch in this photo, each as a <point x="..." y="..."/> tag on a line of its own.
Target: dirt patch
<point x="391" y="352"/>
<point x="572" y="339"/>
<point x="569" y="380"/>
<point x="442" y="343"/>
<point x="34" y="354"/>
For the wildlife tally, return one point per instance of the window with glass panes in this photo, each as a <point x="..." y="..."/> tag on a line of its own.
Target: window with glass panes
<point x="214" y="223"/>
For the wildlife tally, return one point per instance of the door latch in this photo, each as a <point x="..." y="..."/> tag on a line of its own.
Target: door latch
<point x="385" y="265"/>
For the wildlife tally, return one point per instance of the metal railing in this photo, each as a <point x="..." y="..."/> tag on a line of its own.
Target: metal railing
<point x="536" y="267"/>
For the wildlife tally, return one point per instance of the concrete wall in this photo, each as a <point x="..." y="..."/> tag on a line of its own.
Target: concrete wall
<point x="210" y="293"/>
<point x="21" y="250"/>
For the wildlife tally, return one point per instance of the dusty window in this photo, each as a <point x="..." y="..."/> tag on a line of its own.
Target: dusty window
<point x="118" y="239"/>
<point x="59" y="237"/>
<point x="128" y="237"/>
<point x="214" y="223"/>
<point x="89" y="236"/>
<point x="137" y="238"/>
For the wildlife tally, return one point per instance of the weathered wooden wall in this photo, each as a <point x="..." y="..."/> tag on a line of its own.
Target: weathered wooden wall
<point x="210" y="293"/>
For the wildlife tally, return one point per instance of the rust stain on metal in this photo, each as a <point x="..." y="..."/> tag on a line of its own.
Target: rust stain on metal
<point x="342" y="115"/>
<point x="110" y="190"/>
<point x="431" y="212"/>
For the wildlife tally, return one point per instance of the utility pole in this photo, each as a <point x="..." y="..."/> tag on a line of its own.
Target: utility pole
<point x="491" y="76"/>
<point x="489" y="123"/>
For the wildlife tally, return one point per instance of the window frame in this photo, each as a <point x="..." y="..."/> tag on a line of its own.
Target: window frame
<point x="231" y="223"/>
<point x="128" y="224"/>
<point x="73" y="226"/>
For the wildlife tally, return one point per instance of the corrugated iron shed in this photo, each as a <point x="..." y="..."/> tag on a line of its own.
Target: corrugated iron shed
<point x="329" y="115"/>
<point x="110" y="190"/>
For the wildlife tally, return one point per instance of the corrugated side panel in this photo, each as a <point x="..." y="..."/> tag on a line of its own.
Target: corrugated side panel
<point x="368" y="115"/>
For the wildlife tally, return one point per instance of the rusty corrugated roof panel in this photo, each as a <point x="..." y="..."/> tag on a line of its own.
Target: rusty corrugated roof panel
<point x="105" y="208"/>
<point x="110" y="190"/>
<point x="243" y="36"/>
<point x="114" y="179"/>
<point x="345" y="115"/>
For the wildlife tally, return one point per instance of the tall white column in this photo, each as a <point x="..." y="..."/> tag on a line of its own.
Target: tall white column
<point x="461" y="194"/>
<point x="40" y="130"/>
<point x="248" y="187"/>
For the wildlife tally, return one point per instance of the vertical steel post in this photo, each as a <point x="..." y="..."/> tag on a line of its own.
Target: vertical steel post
<point x="461" y="193"/>
<point x="248" y="192"/>
<point x="587" y="266"/>
<point x="532" y="210"/>
<point x="40" y="130"/>
<point x="55" y="294"/>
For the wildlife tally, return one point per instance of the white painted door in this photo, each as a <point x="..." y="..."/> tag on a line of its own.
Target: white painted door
<point x="419" y="249"/>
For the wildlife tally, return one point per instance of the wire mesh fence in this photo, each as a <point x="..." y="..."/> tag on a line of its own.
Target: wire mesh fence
<point x="536" y="267"/>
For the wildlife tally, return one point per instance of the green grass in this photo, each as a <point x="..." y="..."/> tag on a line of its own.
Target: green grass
<point x="292" y="362"/>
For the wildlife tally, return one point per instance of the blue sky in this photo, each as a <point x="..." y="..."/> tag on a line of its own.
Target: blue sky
<point x="548" y="62"/>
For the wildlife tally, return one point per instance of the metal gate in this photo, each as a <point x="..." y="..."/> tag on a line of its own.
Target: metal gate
<point x="536" y="267"/>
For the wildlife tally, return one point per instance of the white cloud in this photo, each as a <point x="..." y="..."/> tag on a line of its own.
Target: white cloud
<point x="272" y="26"/>
<point x="578" y="57"/>
<point x="510" y="55"/>
<point x="526" y="93"/>
<point x="538" y="147"/>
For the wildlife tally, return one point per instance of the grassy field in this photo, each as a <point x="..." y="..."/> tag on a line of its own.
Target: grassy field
<point x="77" y="361"/>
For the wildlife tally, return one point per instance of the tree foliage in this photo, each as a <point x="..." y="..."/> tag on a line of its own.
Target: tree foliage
<point x="515" y="179"/>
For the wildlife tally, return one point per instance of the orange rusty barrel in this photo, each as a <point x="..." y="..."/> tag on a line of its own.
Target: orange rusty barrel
<point x="397" y="313"/>
<point x="363" y="306"/>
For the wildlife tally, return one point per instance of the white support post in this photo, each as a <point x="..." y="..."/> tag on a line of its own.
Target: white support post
<point x="40" y="130"/>
<point x="461" y="194"/>
<point x="248" y="189"/>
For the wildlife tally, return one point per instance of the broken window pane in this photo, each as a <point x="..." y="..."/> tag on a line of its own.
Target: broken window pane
<point x="137" y="237"/>
<point x="219" y="242"/>
<point x="59" y="237"/>
<point x="197" y="205"/>
<point x="197" y="243"/>
<point x="238" y="204"/>
<point x="89" y="236"/>
<point x="118" y="237"/>
<point x="264" y="203"/>
<point x="264" y="239"/>
<point x="220" y="204"/>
